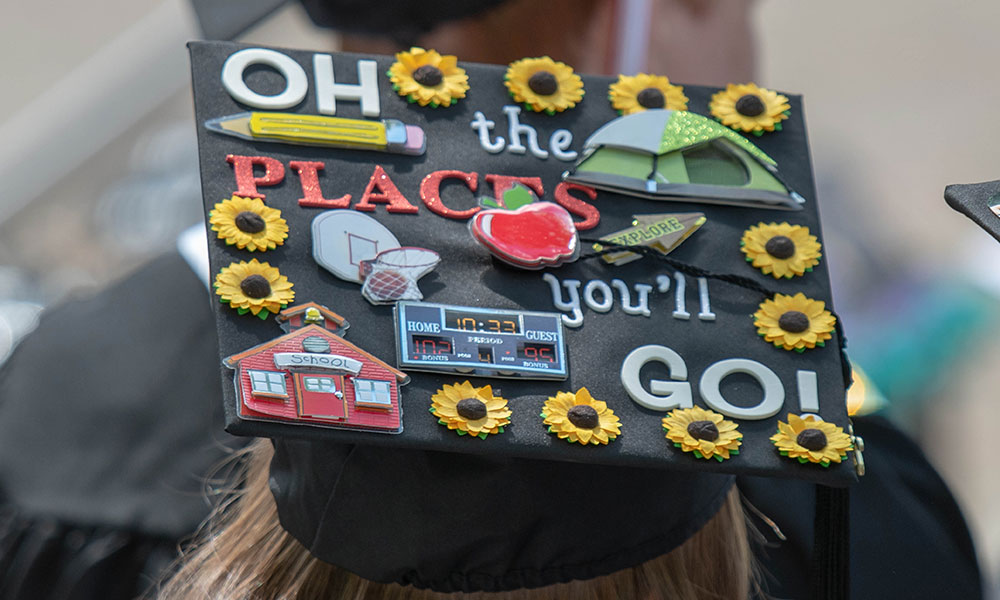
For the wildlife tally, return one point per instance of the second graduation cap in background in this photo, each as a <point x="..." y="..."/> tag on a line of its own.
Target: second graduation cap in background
<point x="978" y="201"/>
<point x="443" y="246"/>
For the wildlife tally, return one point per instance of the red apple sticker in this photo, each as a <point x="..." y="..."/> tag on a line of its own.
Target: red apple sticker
<point x="524" y="232"/>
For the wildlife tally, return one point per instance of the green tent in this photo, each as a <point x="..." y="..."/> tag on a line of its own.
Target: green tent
<point x="672" y="154"/>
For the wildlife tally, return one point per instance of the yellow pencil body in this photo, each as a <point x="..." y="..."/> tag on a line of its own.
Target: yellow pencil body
<point x="386" y="135"/>
<point x="318" y="130"/>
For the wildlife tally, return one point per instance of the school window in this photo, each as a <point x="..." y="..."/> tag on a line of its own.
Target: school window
<point x="374" y="394"/>
<point x="268" y="383"/>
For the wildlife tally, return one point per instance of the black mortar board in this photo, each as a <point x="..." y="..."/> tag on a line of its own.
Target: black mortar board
<point x="407" y="300"/>
<point x="978" y="201"/>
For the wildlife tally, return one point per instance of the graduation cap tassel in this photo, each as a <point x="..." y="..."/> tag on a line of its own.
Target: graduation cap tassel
<point x="691" y="270"/>
<point x="830" y="576"/>
<point x="845" y="362"/>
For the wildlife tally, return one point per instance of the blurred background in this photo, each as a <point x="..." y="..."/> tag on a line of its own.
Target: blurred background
<point x="100" y="172"/>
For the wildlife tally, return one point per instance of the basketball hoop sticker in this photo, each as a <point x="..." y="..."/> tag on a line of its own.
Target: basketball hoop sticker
<point x="343" y="239"/>
<point x="356" y="247"/>
<point x="393" y="274"/>
<point x="361" y="249"/>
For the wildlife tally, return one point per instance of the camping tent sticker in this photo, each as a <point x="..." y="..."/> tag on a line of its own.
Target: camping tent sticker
<point x="664" y="154"/>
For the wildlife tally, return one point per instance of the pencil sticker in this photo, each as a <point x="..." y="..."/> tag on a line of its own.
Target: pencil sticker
<point x="386" y="135"/>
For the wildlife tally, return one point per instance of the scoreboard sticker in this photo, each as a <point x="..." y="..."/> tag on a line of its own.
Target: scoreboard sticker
<point x="478" y="341"/>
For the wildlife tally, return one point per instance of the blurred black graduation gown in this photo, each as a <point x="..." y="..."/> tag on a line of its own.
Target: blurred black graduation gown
<point x="109" y="420"/>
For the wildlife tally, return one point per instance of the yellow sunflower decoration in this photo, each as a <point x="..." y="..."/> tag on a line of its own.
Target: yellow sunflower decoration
<point x="750" y="109"/>
<point x="580" y="418"/>
<point x="794" y="322"/>
<point x="641" y="92"/>
<point x="703" y="432"/>
<point x="812" y="440"/>
<point x="248" y="224"/>
<point x="781" y="250"/>
<point x="470" y="410"/>
<point x="254" y="287"/>
<point x="426" y="77"/>
<point x="543" y="85"/>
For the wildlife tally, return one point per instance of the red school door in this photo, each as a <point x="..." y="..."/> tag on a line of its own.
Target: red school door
<point x="320" y="396"/>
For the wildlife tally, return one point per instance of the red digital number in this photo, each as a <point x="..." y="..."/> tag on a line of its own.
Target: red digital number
<point x="546" y="353"/>
<point x="426" y="346"/>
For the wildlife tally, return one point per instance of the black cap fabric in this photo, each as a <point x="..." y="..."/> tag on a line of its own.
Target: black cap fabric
<point x="457" y="523"/>
<point x="975" y="200"/>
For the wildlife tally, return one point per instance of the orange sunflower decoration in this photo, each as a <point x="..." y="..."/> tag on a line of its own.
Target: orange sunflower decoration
<point x="794" y="322"/>
<point x="428" y="78"/>
<point x="248" y="224"/>
<point x="580" y="418"/>
<point x="543" y="85"/>
<point x="254" y="287"/>
<point x="780" y="249"/>
<point x="750" y="109"/>
<point x="811" y="440"/>
<point x="704" y="433"/>
<point x="642" y="92"/>
<point x="470" y="410"/>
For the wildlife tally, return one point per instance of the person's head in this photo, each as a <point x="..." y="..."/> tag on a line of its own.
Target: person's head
<point x="245" y="553"/>
<point x="707" y="42"/>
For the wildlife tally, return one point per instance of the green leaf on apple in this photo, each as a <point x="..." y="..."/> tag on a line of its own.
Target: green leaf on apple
<point x="517" y="196"/>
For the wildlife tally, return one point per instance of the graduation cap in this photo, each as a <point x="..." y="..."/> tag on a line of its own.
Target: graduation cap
<point x="978" y="201"/>
<point x="512" y="193"/>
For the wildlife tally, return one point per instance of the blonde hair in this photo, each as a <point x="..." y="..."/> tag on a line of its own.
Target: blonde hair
<point x="242" y="553"/>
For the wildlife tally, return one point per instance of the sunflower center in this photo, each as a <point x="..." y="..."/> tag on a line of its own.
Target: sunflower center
<point x="793" y="321"/>
<point x="811" y="439"/>
<point x="428" y="75"/>
<point x="471" y="409"/>
<point x="583" y="416"/>
<point x="255" y="286"/>
<point x="704" y="430"/>
<point x="250" y="222"/>
<point x="543" y="83"/>
<point x="651" y="97"/>
<point x="750" y="105"/>
<point x="780" y="246"/>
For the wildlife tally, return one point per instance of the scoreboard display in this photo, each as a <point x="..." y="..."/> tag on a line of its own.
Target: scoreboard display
<point x="480" y="341"/>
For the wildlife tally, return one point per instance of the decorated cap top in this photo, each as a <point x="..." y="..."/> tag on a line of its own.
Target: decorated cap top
<point x="643" y="290"/>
